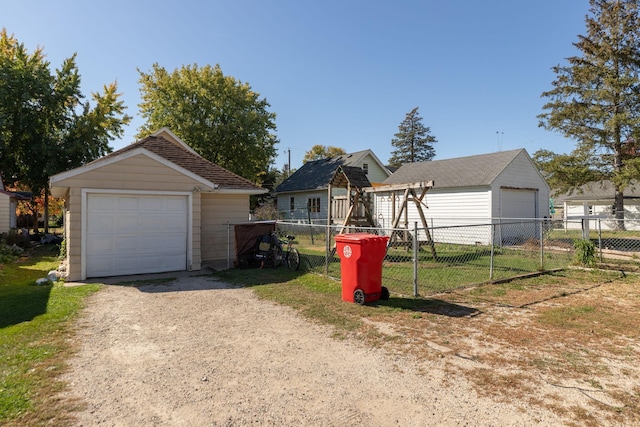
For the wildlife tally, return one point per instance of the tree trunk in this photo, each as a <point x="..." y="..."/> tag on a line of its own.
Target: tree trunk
<point x="618" y="207"/>
<point x="618" y="202"/>
<point x="46" y="210"/>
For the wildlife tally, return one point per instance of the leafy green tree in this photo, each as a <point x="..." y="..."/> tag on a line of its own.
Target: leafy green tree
<point x="320" y="151"/>
<point x="565" y="172"/>
<point x="595" y="100"/>
<point x="45" y="127"/>
<point x="413" y="142"/>
<point x="221" y="118"/>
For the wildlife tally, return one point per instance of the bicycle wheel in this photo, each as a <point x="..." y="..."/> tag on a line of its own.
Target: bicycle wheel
<point x="278" y="256"/>
<point x="293" y="259"/>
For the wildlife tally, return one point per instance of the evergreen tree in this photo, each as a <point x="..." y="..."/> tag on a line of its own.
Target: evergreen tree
<point x="413" y="141"/>
<point x="596" y="101"/>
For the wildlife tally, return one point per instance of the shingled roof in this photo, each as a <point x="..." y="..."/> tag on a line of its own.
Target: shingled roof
<point x="599" y="190"/>
<point x="317" y="174"/>
<point x="350" y="176"/>
<point x="470" y="171"/>
<point x="188" y="160"/>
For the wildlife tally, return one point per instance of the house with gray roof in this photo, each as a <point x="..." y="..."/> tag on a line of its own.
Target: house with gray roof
<point x="594" y="201"/>
<point x="304" y="195"/>
<point x="479" y="189"/>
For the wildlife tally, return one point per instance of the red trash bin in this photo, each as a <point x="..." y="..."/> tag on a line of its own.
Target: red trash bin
<point x="361" y="256"/>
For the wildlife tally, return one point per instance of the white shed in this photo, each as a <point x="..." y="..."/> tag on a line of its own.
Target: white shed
<point x="500" y="187"/>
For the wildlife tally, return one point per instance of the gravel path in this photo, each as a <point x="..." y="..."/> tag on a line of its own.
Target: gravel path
<point x="197" y="352"/>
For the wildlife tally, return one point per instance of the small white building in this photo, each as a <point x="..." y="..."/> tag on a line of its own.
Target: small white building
<point x="594" y="202"/>
<point x="497" y="188"/>
<point x="8" y="206"/>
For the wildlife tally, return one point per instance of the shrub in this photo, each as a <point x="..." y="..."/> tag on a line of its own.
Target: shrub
<point x="267" y="211"/>
<point x="585" y="252"/>
<point x="12" y="245"/>
<point x="15" y="237"/>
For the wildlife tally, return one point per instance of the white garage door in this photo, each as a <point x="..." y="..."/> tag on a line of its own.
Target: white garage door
<point x="518" y="204"/>
<point x="134" y="234"/>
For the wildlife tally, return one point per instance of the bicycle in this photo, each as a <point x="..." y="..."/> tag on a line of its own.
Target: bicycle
<point x="290" y="255"/>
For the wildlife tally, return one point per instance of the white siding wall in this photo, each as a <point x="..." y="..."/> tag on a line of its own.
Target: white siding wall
<point x="576" y="210"/>
<point x="521" y="173"/>
<point x="445" y="208"/>
<point x="376" y="173"/>
<point x="5" y="213"/>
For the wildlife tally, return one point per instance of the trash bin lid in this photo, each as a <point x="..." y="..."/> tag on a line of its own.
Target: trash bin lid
<point x="359" y="238"/>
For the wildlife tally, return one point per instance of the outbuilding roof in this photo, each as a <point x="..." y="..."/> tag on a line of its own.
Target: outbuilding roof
<point x="469" y="171"/>
<point x="188" y="160"/>
<point x="167" y="147"/>
<point x="18" y="195"/>
<point x="316" y="174"/>
<point x="599" y="190"/>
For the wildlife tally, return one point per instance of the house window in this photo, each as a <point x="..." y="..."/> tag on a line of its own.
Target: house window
<point x="292" y="204"/>
<point x="314" y="204"/>
<point x="365" y="168"/>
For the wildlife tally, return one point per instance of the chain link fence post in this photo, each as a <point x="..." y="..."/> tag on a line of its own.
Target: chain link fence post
<point x="415" y="259"/>
<point x="600" y="238"/>
<point x="493" y="238"/>
<point x="541" y="226"/>
<point x="327" y="250"/>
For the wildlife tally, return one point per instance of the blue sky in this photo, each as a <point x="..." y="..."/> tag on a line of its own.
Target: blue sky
<point x="341" y="73"/>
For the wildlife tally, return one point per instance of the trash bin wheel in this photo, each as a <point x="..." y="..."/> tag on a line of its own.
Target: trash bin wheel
<point x="358" y="296"/>
<point x="384" y="295"/>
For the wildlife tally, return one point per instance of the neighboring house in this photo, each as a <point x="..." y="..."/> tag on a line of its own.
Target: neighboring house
<point x="8" y="205"/>
<point x="152" y="206"/>
<point x="595" y="201"/>
<point x="481" y="189"/>
<point x="304" y="195"/>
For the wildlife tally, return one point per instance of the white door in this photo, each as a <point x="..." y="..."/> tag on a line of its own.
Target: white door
<point x="134" y="234"/>
<point x="518" y="204"/>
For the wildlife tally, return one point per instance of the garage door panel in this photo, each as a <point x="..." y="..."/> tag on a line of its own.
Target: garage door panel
<point x="126" y="223"/>
<point x="104" y="203"/>
<point x="100" y="222"/>
<point x="127" y="204"/>
<point x="138" y="236"/>
<point x="125" y="243"/>
<point x="151" y="204"/>
<point x="518" y="204"/>
<point x="100" y="245"/>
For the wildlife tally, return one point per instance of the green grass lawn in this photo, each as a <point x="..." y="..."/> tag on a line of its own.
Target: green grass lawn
<point x="456" y="266"/>
<point x="35" y="321"/>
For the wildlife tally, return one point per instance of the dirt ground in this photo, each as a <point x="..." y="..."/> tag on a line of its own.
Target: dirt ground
<point x="199" y="352"/>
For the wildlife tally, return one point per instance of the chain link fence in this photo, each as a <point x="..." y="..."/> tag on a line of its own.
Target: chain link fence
<point x="422" y="262"/>
<point x="615" y="239"/>
<point x="438" y="259"/>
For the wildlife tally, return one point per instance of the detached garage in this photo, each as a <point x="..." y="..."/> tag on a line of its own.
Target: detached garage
<point x="490" y="188"/>
<point x="153" y="206"/>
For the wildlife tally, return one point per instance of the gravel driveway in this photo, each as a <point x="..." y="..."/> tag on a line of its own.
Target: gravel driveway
<point x="198" y="352"/>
